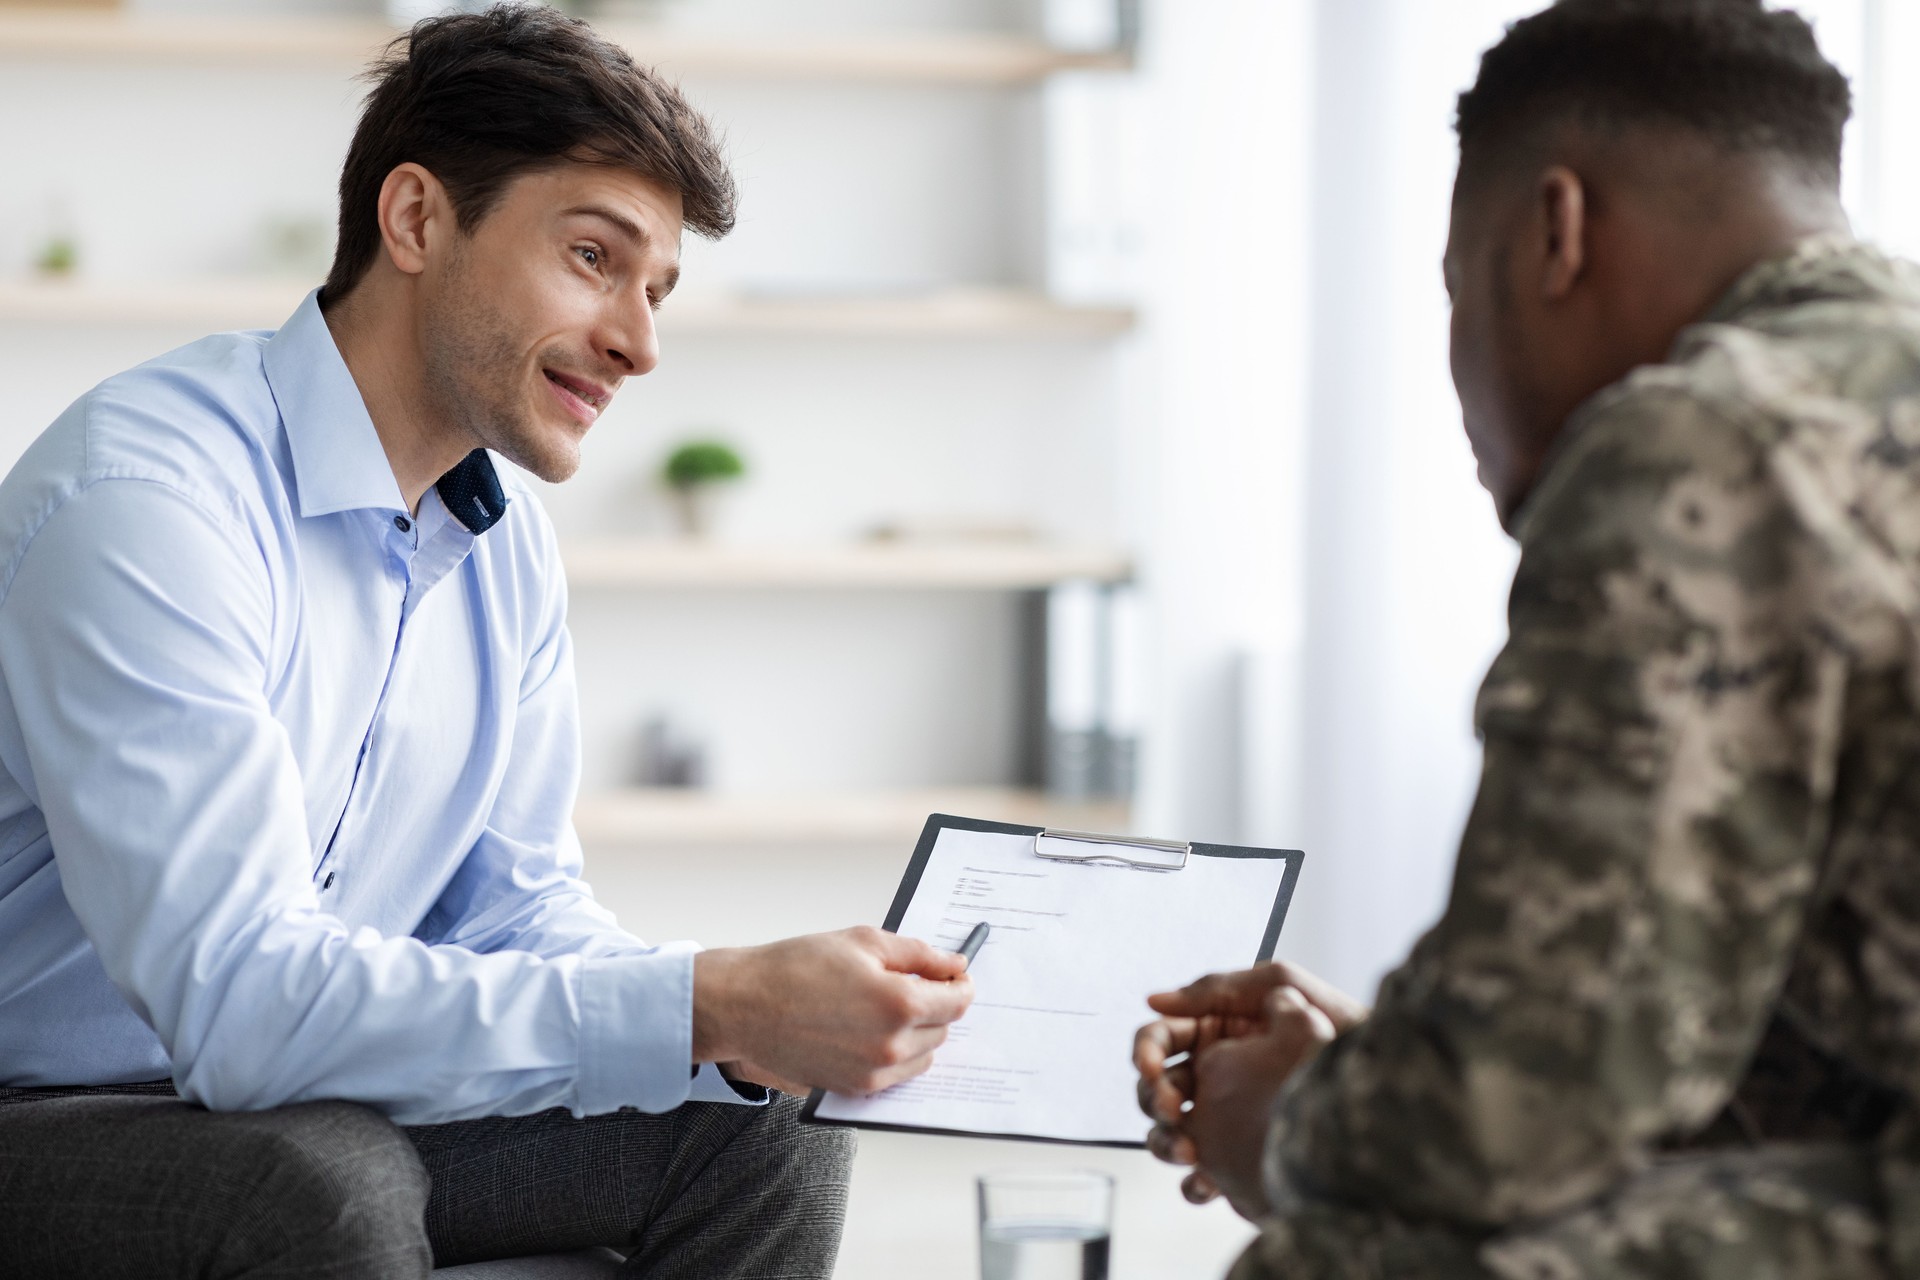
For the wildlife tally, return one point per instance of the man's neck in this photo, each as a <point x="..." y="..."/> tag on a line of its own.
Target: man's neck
<point x="378" y="339"/>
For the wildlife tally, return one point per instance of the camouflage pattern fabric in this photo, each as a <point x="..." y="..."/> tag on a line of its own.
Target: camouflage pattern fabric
<point x="1686" y="913"/>
<point x="1777" y="1214"/>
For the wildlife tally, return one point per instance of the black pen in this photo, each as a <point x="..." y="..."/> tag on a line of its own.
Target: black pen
<point x="971" y="947"/>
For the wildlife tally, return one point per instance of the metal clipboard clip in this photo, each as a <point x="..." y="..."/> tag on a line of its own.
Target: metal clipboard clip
<point x="1125" y="851"/>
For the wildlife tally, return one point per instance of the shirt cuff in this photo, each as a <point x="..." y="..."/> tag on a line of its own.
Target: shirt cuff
<point x="636" y="1031"/>
<point x="710" y="1085"/>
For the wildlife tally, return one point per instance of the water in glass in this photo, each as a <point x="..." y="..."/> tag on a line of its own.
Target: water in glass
<point x="1043" y="1251"/>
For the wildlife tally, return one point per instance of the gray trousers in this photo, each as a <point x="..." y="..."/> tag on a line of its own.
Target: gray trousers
<point x="135" y="1183"/>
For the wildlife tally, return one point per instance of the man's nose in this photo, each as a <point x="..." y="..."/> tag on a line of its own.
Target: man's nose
<point x="630" y="340"/>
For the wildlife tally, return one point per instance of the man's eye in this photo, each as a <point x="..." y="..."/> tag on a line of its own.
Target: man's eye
<point x="591" y="255"/>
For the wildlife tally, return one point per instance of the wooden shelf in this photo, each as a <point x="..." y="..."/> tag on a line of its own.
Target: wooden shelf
<point x="938" y="566"/>
<point x="947" y="313"/>
<point x="941" y="58"/>
<point x="244" y="303"/>
<point x="659" y="816"/>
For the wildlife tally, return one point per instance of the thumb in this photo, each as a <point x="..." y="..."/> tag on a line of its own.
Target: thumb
<point x="910" y="955"/>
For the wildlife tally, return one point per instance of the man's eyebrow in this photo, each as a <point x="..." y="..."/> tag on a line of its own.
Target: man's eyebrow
<point x="628" y="228"/>
<point x="621" y="222"/>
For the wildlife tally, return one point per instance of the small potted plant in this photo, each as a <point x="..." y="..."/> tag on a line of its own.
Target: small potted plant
<point x="57" y="258"/>
<point x="693" y="473"/>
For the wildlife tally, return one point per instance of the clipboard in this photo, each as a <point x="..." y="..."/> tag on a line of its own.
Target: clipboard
<point x="1128" y="856"/>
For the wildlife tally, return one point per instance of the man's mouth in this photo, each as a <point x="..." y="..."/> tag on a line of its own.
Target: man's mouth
<point x="580" y="397"/>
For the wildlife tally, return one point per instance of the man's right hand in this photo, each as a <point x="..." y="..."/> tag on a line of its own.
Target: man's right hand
<point x="856" y="1011"/>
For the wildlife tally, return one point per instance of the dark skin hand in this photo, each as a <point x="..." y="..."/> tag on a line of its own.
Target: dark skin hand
<point x="1212" y="1065"/>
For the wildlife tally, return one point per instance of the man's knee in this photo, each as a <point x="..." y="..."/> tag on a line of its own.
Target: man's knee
<point x="332" y="1184"/>
<point x="767" y="1154"/>
<point x="817" y="1153"/>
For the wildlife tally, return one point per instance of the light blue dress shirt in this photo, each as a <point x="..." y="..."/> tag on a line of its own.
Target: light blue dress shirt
<point x="286" y="773"/>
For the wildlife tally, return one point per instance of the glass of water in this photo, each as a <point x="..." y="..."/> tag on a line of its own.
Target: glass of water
<point x="1043" y="1224"/>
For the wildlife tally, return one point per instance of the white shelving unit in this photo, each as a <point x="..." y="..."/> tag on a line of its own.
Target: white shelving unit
<point x="244" y="303"/>
<point x="110" y="45"/>
<point x="948" y="58"/>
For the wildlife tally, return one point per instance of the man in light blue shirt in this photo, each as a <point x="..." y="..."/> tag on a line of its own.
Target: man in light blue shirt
<point x="289" y="742"/>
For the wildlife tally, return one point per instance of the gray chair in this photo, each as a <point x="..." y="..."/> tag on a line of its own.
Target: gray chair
<point x="588" y="1264"/>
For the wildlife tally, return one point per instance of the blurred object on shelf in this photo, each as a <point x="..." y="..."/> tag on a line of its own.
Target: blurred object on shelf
<point x="1121" y="695"/>
<point x="1092" y="26"/>
<point x="954" y="529"/>
<point x="1096" y="193"/>
<point x="57" y="255"/>
<point x="296" y="245"/>
<point x="1092" y="690"/>
<point x="669" y="757"/>
<point x="694" y="473"/>
<point x="1073" y="690"/>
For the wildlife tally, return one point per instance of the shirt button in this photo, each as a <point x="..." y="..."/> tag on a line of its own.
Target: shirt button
<point x="328" y="882"/>
<point x="402" y="523"/>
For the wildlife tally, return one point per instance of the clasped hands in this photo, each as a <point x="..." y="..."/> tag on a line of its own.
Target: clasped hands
<point x="1212" y="1065"/>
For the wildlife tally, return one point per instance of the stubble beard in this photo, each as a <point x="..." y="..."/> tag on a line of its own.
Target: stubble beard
<point x="473" y="365"/>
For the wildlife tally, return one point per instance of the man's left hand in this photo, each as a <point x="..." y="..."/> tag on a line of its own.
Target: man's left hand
<point x="1233" y="1083"/>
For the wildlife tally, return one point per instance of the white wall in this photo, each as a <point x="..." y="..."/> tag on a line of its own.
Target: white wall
<point x="1215" y="480"/>
<point x="1366" y="594"/>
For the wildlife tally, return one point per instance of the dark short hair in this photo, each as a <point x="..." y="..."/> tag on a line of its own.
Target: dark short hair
<point x="1748" y="79"/>
<point x="479" y="99"/>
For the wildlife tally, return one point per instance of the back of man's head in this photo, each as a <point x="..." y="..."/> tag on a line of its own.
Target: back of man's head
<point x="1748" y="79"/>
<point x="479" y="99"/>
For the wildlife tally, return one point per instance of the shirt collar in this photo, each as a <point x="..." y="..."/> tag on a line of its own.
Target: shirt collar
<point x="339" y="463"/>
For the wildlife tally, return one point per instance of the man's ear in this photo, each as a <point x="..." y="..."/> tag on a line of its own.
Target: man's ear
<point x="414" y="214"/>
<point x="1561" y="206"/>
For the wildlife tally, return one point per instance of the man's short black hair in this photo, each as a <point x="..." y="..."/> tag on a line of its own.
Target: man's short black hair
<point x="1749" y="79"/>
<point x="478" y="99"/>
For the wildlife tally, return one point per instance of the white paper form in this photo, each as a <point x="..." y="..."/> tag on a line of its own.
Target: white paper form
<point x="1046" y="1051"/>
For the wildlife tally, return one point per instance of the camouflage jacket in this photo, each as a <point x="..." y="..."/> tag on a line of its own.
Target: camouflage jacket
<point x="1698" y="827"/>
